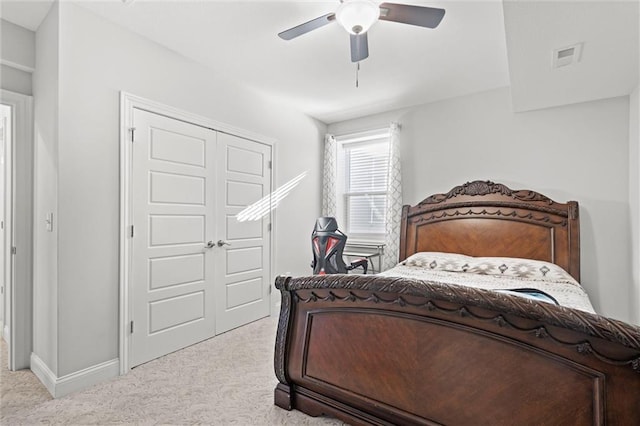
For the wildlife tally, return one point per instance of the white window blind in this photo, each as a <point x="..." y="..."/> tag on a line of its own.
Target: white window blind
<point x="365" y="173"/>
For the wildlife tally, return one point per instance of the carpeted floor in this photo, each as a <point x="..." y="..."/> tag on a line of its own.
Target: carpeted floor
<point x="227" y="380"/>
<point x="19" y="390"/>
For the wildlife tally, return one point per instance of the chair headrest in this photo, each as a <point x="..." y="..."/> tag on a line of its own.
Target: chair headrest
<point x="326" y="224"/>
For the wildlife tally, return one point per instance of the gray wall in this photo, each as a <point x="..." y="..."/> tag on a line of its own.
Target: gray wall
<point x="15" y="80"/>
<point x="17" y="57"/>
<point x="46" y="101"/>
<point x="634" y="198"/>
<point x="576" y="152"/>
<point x="97" y="59"/>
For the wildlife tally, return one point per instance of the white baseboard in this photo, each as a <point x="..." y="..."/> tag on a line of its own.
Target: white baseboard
<point x="43" y="373"/>
<point x="61" y="386"/>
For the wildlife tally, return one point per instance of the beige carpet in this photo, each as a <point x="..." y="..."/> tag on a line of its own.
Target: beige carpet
<point x="227" y="380"/>
<point x="19" y="390"/>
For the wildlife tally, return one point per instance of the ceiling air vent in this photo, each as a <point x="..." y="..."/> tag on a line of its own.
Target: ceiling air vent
<point x="568" y="55"/>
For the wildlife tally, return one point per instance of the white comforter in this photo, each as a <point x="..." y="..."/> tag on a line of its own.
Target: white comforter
<point x="493" y="273"/>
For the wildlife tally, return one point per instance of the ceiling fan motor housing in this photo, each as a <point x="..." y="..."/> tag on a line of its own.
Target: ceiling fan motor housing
<point x="357" y="16"/>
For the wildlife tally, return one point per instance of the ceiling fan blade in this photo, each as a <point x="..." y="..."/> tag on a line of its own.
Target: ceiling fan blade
<point x="359" y="47"/>
<point x="307" y="26"/>
<point x="421" y="16"/>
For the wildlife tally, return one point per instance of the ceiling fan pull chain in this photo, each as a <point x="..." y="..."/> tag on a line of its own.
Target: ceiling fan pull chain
<point x="357" y="74"/>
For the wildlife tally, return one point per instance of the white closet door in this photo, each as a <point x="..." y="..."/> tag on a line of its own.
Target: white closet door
<point x="243" y="268"/>
<point x="172" y="276"/>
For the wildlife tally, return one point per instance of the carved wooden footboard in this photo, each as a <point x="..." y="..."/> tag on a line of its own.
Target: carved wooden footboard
<point x="380" y="350"/>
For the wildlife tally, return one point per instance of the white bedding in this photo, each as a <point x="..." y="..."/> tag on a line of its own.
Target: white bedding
<point x="494" y="273"/>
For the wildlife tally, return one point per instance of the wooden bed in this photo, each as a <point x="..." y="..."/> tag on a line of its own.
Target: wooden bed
<point x="384" y="350"/>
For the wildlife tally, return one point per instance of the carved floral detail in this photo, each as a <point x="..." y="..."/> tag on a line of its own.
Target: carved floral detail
<point x="584" y="348"/>
<point x="500" y="321"/>
<point x="541" y="333"/>
<point x="480" y="187"/>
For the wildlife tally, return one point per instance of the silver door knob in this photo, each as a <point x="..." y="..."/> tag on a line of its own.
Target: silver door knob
<point x="210" y="244"/>
<point x="223" y="243"/>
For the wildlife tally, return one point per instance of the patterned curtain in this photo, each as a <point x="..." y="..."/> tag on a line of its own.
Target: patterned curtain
<point x="329" y="176"/>
<point x="394" y="201"/>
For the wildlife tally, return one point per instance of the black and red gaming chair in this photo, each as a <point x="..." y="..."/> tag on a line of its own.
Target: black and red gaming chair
<point x="328" y="244"/>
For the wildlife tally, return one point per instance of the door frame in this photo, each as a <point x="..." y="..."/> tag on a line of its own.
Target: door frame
<point x="129" y="102"/>
<point x="19" y="223"/>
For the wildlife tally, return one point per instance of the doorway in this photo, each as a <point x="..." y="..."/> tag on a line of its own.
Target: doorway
<point x="191" y="269"/>
<point x="17" y="226"/>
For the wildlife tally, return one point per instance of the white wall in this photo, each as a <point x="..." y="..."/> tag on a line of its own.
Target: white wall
<point x="17" y="45"/>
<point x="377" y="121"/>
<point x="15" y="80"/>
<point x="17" y="57"/>
<point x="98" y="59"/>
<point x="46" y="101"/>
<point x="577" y="152"/>
<point x="634" y="199"/>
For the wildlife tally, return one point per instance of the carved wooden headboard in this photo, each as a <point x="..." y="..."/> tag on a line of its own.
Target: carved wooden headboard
<point x="483" y="218"/>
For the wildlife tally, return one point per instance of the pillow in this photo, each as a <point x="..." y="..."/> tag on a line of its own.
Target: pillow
<point x="501" y="266"/>
<point x="452" y="262"/>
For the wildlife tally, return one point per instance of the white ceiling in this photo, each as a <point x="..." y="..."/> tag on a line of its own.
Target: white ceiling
<point x="26" y="13"/>
<point x="609" y="63"/>
<point x="407" y="65"/>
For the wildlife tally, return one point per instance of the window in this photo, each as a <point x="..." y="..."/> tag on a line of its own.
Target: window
<point x="362" y="184"/>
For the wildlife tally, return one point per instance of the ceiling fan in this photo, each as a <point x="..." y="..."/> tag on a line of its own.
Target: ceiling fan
<point x="357" y="16"/>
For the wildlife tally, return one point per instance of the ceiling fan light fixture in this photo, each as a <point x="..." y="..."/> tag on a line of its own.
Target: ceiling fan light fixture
<point x="357" y="16"/>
